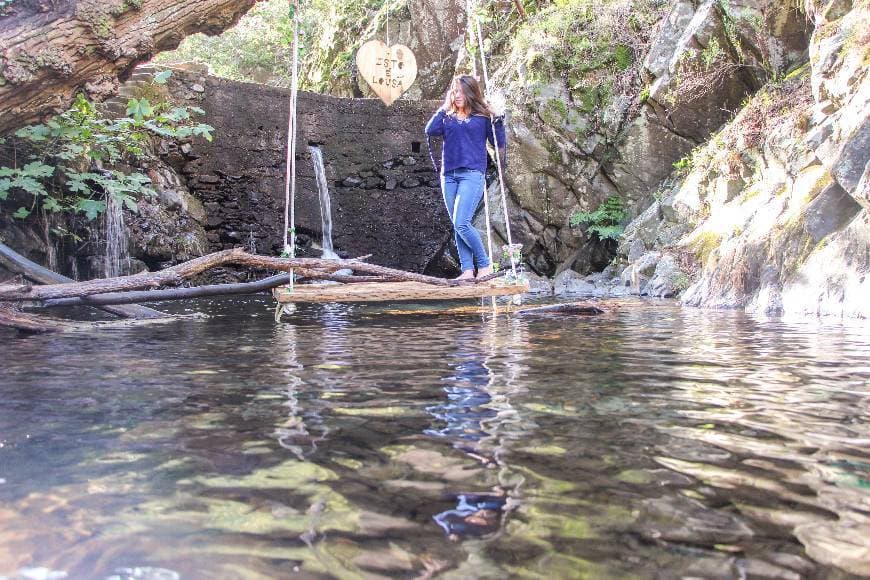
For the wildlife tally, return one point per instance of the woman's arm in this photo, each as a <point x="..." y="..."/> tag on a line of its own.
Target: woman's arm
<point x="500" y="139"/>
<point x="435" y="126"/>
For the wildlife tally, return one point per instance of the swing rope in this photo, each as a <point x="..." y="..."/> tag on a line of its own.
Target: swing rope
<point x="290" y="177"/>
<point x="485" y="192"/>
<point x="507" y="222"/>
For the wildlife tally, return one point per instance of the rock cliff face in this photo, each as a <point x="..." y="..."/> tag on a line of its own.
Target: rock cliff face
<point x="630" y="90"/>
<point x="771" y="214"/>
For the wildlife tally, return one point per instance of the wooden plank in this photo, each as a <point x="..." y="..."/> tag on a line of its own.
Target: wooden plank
<point x="393" y="292"/>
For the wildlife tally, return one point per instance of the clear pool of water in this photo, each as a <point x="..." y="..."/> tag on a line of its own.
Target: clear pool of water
<point x="361" y="441"/>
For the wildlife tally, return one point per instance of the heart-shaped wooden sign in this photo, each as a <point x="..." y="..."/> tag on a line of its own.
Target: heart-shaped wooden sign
<point x="389" y="71"/>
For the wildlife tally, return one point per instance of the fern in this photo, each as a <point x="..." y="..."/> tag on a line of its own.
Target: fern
<point x="605" y="222"/>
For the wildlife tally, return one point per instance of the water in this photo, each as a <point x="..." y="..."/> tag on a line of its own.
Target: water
<point x="116" y="260"/>
<point x="354" y="441"/>
<point x="325" y="203"/>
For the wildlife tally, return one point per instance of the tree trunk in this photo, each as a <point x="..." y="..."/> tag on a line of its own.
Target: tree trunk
<point x="573" y="308"/>
<point x="11" y="317"/>
<point x="51" y="49"/>
<point x="306" y="267"/>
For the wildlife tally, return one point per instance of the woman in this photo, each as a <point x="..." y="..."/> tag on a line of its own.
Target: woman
<point x="465" y="123"/>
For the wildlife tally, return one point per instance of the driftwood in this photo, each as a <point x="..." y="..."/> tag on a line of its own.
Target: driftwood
<point x="18" y="264"/>
<point x="573" y="308"/>
<point x="11" y="317"/>
<point x="309" y="267"/>
<point x="152" y="286"/>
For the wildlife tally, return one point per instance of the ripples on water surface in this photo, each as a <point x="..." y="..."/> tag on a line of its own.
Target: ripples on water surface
<point x="349" y="441"/>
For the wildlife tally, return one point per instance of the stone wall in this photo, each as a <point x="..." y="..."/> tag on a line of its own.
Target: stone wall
<point x="385" y="195"/>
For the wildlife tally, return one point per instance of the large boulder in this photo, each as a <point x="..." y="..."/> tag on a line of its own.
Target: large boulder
<point x="437" y="34"/>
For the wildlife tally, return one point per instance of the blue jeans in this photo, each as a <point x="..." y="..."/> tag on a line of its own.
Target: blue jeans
<point x="463" y="190"/>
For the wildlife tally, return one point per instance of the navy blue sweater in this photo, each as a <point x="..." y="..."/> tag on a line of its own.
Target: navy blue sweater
<point x="465" y="140"/>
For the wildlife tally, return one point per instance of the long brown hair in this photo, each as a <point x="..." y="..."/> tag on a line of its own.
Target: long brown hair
<point x="475" y="103"/>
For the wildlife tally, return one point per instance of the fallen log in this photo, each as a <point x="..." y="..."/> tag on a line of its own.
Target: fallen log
<point x="18" y="264"/>
<point x="136" y="297"/>
<point x="139" y="296"/>
<point x="11" y="317"/>
<point x="175" y="275"/>
<point x="573" y="308"/>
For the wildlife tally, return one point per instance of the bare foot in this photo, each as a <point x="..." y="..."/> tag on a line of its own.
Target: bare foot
<point x="466" y="275"/>
<point x="485" y="271"/>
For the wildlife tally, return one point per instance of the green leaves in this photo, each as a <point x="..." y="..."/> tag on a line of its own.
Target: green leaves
<point x="139" y="109"/>
<point x="51" y="204"/>
<point x="25" y="179"/>
<point x="604" y="222"/>
<point x="91" y="207"/>
<point x="34" y="133"/>
<point x="37" y="169"/>
<point x="81" y="137"/>
<point x="163" y="76"/>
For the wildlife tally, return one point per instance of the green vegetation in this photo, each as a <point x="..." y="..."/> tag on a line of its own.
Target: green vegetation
<point x="705" y="244"/>
<point x="605" y="222"/>
<point x="56" y="166"/>
<point x="259" y="47"/>
<point x="586" y="43"/>
<point x="684" y="166"/>
<point x="681" y="281"/>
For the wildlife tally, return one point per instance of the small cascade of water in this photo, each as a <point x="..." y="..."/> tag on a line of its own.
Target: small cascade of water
<point x="116" y="260"/>
<point x="325" y="204"/>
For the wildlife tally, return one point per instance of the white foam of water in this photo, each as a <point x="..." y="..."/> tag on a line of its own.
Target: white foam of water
<point x="116" y="260"/>
<point x="325" y="203"/>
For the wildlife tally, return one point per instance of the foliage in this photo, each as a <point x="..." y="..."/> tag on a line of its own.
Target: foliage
<point x="259" y="47"/>
<point x="64" y="156"/>
<point x="606" y="221"/>
<point x="588" y="42"/>
<point x="684" y="166"/>
<point x="681" y="281"/>
<point x="705" y="244"/>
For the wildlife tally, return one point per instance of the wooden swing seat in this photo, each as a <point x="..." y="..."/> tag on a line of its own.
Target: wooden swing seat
<point x="394" y="291"/>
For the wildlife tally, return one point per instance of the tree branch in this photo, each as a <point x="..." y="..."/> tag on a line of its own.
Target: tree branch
<point x="307" y="267"/>
<point x="15" y="262"/>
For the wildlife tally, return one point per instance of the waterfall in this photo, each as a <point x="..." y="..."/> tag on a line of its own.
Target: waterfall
<point x="50" y="245"/>
<point x="116" y="260"/>
<point x="325" y="205"/>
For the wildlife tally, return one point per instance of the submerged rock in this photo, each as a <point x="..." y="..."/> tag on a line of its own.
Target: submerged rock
<point x="680" y="519"/>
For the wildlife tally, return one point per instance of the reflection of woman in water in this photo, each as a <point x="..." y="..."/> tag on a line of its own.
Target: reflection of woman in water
<point x="467" y="414"/>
